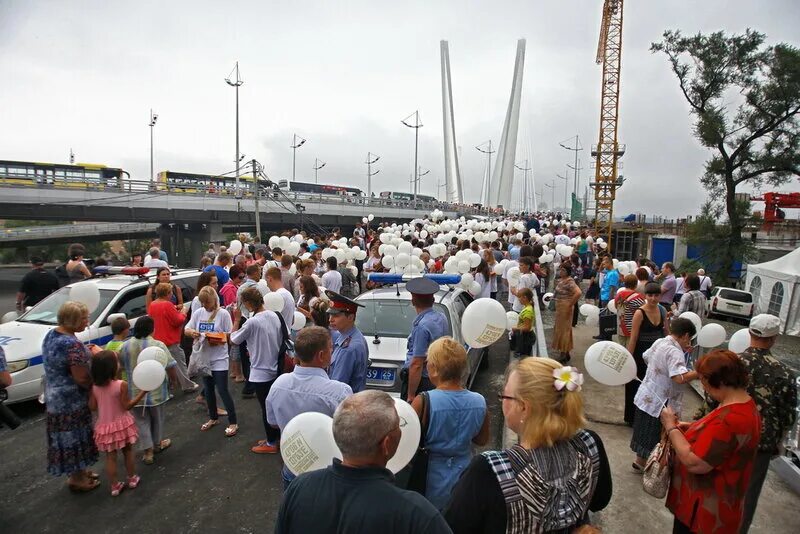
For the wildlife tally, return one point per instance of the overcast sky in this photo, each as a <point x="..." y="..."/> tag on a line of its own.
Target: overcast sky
<point x="342" y="74"/>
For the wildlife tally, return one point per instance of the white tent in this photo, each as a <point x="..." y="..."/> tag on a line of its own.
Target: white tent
<point x="775" y="286"/>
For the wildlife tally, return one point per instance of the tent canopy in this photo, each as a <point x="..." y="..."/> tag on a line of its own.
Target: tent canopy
<point x="777" y="289"/>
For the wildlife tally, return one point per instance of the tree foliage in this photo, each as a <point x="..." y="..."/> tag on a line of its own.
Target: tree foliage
<point x="745" y="99"/>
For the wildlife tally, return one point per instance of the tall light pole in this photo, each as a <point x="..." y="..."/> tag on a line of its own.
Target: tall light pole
<point x="257" y="194"/>
<point x="566" y="189"/>
<point x="553" y="189"/>
<point x="295" y="145"/>
<point x="370" y="174"/>
<point x="576" y="149"/>
<point x="526" y="194"/>
<point x="417" y="125"/>
<point x="486" y="148"/>
<point x="317" y="166"/>
<point x="153" y="119"/>
<point x="237" y="82"/>
<point x="439" y="187"/>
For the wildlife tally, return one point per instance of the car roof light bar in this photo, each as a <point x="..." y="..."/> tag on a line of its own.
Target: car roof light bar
<point x="389" y="278"/>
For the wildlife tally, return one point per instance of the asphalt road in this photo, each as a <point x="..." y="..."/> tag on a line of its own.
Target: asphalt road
<point x="204" y="482"/>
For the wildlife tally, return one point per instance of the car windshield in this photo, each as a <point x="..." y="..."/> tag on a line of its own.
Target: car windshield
<point x="46" y="312"/>
<point x="738" y="296"/>
<point x="390" y="318"/>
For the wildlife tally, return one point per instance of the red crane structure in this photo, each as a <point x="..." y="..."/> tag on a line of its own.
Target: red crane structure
<point x="773" y="202"/>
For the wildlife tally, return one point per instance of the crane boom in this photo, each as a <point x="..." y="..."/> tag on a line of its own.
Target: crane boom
<point x="608" y="150"/>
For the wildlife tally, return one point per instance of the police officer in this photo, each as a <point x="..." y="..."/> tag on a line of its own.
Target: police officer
<point x="350" y="349"/>
<point x="429" y="326"/>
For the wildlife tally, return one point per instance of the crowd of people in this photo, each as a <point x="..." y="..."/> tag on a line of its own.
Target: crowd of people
<point x="242" y="323"/>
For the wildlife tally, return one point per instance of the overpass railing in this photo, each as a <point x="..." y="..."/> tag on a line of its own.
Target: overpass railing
<point x="77" y="230"/>
<point x="134" y="187"/>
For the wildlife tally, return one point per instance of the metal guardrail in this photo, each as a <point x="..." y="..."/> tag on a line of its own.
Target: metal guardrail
<point x="78" y="230"/>
<point x="131" y="187"/>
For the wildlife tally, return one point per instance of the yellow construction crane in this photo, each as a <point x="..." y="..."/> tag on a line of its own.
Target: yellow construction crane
<point x="608" y="150"/>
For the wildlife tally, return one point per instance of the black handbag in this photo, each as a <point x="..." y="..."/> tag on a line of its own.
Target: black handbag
<point x="608" y="324"/>
<point x="418" y="475"/>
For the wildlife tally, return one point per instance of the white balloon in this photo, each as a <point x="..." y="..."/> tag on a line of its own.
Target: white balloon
<point x="263" y="287"/>
<point x="385" y="237"/>
<point x="513" y="275"/>
<point x="467" y="279"/>
<point x="361" y="255"/>
<point x="410" y="431"/>
<point x="154" y="353"/>
<point x="299" y="321"/>
<point x="592" y="320"/>
<point x="307" y="443"/>
<point x="293" y="269"/>
<point x="235" y="247"/>
<point x="711" y="335"/>
<point x="484" y="322"/>
<point x="463" y="266"/>
<point x="604" y="245"/>
<point x="283" y="242"/>
<point x="475" y="289"/>
<point x="547" y="297"/>
<point x="423" y="234"/>
<point x="327" y="253"/>
<point x="610" y="363"/>
<point x="387" y="261"/>
<point x="87" y="293"/>
<point x="474" y="260"/>
<point x="341" y="256"/>
<point x="293" y="249"/>
<point x="498" y="269"/>
<point x="273" y="241"/>
<point x="416" y="252"/>
<point x="370" y="217"/>
<point x="512" y="319"/>
<point x="390" y="250"/>
<point x="305" y="256"/>
<point x="364" y="220"/>
<point x="588" y="309"/>
<point x="148" y="375"/>
<point x="612" y="306"/>
<point x="402" y="260"/>
<point x="273" y="302"/>
<point x="405" y="247"/>
<point x="451" y="265"/>
<point x="698" y="323"/>
<point x="8" y="317"/>
<point x="739" y="341"/>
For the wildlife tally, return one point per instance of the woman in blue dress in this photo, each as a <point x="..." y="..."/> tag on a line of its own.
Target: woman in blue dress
<point x="456" y="418"/>
<point x="67" y="364"/>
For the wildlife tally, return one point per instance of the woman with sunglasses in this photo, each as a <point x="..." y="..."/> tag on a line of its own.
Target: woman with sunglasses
<point x="555" y="461"/>
<point x="164" y="276"/>
<point x="230" y="289"/>
<point x="649" y="324"/>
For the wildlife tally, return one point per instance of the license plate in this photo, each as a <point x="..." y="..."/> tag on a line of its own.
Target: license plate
<point x="381" y="376"/>
<point x="735" y="306"/>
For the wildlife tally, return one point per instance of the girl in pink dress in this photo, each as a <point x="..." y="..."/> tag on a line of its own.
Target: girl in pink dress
<point x="115" y="428"/>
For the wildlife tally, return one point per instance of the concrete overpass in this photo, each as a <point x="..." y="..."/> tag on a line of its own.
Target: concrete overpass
<point x="188" y="220"/>
<point x="64" y="233"/>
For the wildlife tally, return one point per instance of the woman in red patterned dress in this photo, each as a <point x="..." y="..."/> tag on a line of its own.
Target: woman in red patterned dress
<point x="713" y="457"/>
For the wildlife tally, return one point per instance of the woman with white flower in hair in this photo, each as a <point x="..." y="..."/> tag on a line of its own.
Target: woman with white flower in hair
<point x="556" y="460"/>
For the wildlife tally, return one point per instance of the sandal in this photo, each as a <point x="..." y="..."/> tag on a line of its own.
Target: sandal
<point x="134" y="481"/>
<point x="92" y="475"/>
<point x="162" y="446"/>
<point x="116" y="488"/>
<point x="84" y="488"/>
<point x="231" y="430"/>
<point x="220" y="411"/>
<point x="208" y="424"/>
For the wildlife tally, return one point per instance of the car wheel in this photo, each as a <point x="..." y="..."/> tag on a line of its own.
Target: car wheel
<point x="484" y="359"/>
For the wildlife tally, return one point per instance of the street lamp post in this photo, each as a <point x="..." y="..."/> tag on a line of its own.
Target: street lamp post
<point x="487" y="179"/>
<point x="317" y="166"/>
<point x="417" y="125"/>
<point x="553" y="200"/>
<point x="295" y="146"/>
<point x="153" y="119"/>
<point x="566" y="189"/>
<point x="576" y="149"/>
<point x="370" y="174"/>
<point x="525" y="194"/>
<point x="237" y="82"/>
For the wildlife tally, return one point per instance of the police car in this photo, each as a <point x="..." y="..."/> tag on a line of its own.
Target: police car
<point x="386" y="321"/>
<point x="122" y="291"/>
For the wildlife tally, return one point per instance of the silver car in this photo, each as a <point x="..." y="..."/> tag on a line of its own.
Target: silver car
<point x="386" y="322"/>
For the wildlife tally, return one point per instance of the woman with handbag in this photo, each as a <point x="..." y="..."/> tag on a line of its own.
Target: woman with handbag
<point x="209" y="327"/>
<point x="567" y="293"/>
<point x="664" y="383"/>
<point x="556" y="460"/>
<point x="713" y="457"/>
<point x="455" y="419"/>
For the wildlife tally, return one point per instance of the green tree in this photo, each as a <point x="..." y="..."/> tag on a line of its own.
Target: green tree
<point x="745" y="99"/>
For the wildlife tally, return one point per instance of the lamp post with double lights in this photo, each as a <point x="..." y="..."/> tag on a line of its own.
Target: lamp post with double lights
<point x="317" y="166"/>
<point x="417" y="125"/>
<point x="525" y="191"/>
<point x="486" y="148"/>
<point x="236" y="82"/>
<point x="153" y="119"/>
<point x="297" y="142"/>
<point x="370" y="174"/>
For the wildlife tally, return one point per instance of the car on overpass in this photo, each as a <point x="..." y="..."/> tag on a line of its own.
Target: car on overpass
<point x="22" y="338"/>
<point x="386" y="322"/>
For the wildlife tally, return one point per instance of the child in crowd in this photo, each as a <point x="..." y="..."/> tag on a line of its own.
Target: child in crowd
<point x="115" y="428"/>
<point x="121" y="329"/>
<point x="523" y="333"/>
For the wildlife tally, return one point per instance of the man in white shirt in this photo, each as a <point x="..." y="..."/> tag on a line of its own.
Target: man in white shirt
<point x="332" y="279"/>
<point x="277" y="254"/>
<point x="152" y="261"/>
<point x="705" y="283"/>
<point x="262" y="332"/>
<point x="275" y="284"/>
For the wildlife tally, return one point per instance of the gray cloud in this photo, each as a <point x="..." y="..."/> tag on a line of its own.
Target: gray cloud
<point x="84" y="74"/>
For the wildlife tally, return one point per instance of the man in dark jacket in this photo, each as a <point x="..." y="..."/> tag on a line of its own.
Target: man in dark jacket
<point x="358" y="494"/>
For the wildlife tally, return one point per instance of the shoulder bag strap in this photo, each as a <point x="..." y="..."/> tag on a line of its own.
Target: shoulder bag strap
<point x="426" y="410"/>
